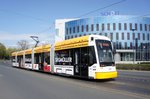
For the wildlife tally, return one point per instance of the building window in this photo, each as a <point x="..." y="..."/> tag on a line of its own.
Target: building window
<point x="100" y="33"/>
<point x="105" y="34"/>
<point x="119" y="26"/>
<point x="66" y="30"/>
<point x="120" y="45"/>
<point x="135" y="26"/>
<point x="149" y="27"/>
<point x="130" y="26"/>
<point x="72" y="36"/>
<point x="117" y="36"/>
<point x="138" y="36"/>
<point x="92" y="27"/>
<point x="87" y="28"/>
<point x="75" y="36"/>
<point x="122" y="36"/>
<point x="117" y="45"/>
<point x="147" y="36"/>
<point x="82" y="28"/>
<point x="108" y="26"/>
<point x="114" y="26"/>
<point x="114" y="45"/>
<point x="97" y="27"/>
<point x="78" y="28"/>
<point x="111" y="36"/>
<point x="128" y="36"/>
<point x="125" y="26"/>
<point x="143" y="36"/>
<point x="125" y="45"/>
<point x="70" y="30"/>
<point x="140" y="27"/>
<point x="84" y="34"/>
<point x="102" y="27"/>
<point x="131" y="46"/>
<point x="74" y="29"/>
<point x="133" y="36"/>
<point x="145" y="27"/>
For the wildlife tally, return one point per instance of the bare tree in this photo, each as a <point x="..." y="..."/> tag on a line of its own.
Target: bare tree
<point x="23" y="44"/>
<point x="2" y="51"/>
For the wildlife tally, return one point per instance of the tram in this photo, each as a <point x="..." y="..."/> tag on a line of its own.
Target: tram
<point x="87" y="56"/>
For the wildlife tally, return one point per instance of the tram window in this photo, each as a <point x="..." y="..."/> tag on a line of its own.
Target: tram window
<point x="84" y="56"/>
<point x="20" y="60"/>
<point x="92" y="57"/>
<point x="88" y="57"/>
<point x="28" y="58"/>
<point x="38" y="58"/>
<point x="35" y="58"/>
<point x="63" y="57"/>
<point x="13" y="59"/>
<point x="47" y="57"/>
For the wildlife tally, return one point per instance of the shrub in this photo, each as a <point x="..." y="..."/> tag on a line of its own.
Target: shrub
<point x="133" y="66"/>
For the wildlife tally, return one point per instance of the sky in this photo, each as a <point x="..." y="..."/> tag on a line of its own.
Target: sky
<point x="20" y="19"/>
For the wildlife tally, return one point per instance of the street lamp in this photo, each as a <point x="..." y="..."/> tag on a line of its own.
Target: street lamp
<point x="36" y="39"/>
<point x="143" y="52"/>
<point x="134" y="55"/>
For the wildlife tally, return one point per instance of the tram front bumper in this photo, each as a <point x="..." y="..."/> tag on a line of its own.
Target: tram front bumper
<point x="106" y="75"/>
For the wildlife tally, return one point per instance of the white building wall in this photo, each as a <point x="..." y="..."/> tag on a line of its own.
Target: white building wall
<point x="60" y="29"/>
<point x="117" y="57"/>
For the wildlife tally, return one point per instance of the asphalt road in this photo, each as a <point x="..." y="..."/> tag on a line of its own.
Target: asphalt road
<point x="133" y="81"/>
<point x="23" y="84"/>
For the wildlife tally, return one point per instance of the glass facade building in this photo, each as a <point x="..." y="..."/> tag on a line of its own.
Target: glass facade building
<point x="129" y="34"/>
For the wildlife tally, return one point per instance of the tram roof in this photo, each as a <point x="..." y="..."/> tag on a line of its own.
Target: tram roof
<point x="38" y="49"/>
<point x="28" y="51"/>
<point x="46" y="48"/>
<point x="72" y="43"/>
<point x="13" y="54"/>
<point x="43" y="48"/>
<point x="20" y="52"/>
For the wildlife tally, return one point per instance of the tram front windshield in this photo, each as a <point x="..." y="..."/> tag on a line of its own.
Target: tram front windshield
<point x="104" y="50"/>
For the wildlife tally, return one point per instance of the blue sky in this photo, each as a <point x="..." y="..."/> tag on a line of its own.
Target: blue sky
<point x="19" y="19"/>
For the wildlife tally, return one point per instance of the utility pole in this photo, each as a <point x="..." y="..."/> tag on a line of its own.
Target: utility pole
<point x="36" y="39"/>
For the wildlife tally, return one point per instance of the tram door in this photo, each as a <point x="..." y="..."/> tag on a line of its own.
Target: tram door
<point x="81" y="63"/>
<point x="77" y="62"/>
<point x="84" y="61"/>
<point x="42" y="61"/>
<point x="20" y="61"/>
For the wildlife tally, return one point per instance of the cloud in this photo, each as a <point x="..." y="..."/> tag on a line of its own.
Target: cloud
<point x="11" y="39"/>
<point x="12" y="36"/>
<point x="21" y="36"/>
